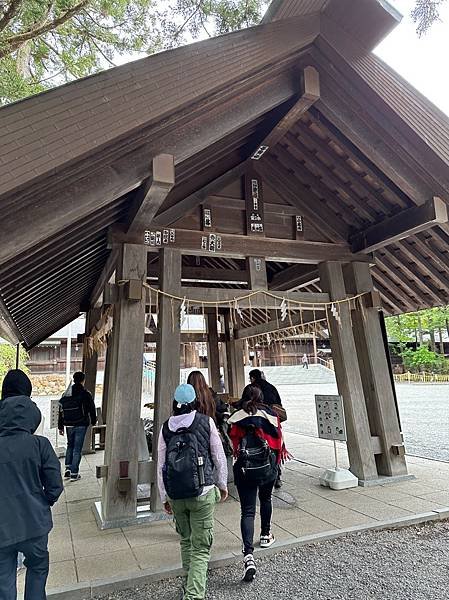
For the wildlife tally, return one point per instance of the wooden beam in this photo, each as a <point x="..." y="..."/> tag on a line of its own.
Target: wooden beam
<point x="310" y="94"/>
<point x="228" y="203"/>
<point x="105" y="277"/>
<point x="293" y="277"/>
<point x="260" y="301"/>
<point x="240" y="246"/>
<point x="296" y="320"/>
<point x="402" y="225"/>
<point x="186" y="205"/>
<point x="152" y="193"/>
<point x="205" y="274"/>
<point x="186" y="337"/>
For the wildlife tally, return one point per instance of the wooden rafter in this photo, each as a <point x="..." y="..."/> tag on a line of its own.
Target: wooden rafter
<point x="310" y="94"/>
<point x="276" y="325"/>
<point x="293" y="278"/>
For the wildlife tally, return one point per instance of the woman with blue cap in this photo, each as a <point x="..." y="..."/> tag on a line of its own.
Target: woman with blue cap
<point x="189" y="448"/>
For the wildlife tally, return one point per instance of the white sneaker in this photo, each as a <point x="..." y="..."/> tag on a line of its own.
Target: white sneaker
<point x="267" y="540"/>
<point x="250" y="568"/>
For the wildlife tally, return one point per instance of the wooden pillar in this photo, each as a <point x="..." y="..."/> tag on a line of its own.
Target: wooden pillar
<point x="375" y="372"/>
<point x="315" y="352"/>
<point x="213" y="354"/>
<point x="167" y="350"/>
<point x="106" y="378"/>
<point x="234" y="360"/>
<point x="119" y="497"/>
<point x="349" y="381"/>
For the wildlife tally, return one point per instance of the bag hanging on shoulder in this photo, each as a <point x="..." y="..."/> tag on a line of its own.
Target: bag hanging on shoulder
<point x="183" y="472"/>
<point x="256" y="462"/>
<point x="73" y="410"/>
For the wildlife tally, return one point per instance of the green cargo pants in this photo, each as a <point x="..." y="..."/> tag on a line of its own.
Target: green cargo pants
<point x="194" y="520"/>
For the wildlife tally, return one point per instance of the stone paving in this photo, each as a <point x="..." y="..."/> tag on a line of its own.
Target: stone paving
<point x="80" y="553"/>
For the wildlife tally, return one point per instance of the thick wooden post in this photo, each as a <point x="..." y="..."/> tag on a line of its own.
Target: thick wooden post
<point x="213" y="353"/>
<point x="167" y="350"/>
<point x="349" y="381"/>
<point x="374" y="368"/>
<point x="119" y="497"/>
<point x="234" y="360"/>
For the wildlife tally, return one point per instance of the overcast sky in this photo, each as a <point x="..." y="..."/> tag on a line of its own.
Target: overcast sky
<point x="422" y="61"/>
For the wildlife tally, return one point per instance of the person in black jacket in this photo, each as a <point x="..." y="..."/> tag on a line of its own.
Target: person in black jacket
<point x="270" y="397"/>
<point x="77" y="412"/>
<point x="30" y="476"/>
<point x="270" y="393"/>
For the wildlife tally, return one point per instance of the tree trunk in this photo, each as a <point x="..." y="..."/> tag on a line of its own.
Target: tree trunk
<point x="420" y="331"/>
<point x="432" y="340"/>
<point x="440" y="331"/>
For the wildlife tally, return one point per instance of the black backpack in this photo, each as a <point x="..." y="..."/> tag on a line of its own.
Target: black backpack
<point x="183" y="472"/>
<point x="73" y="410"/>
<point x="256" y="461"/>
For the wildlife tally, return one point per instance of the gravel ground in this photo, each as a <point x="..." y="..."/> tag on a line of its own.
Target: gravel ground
<point x="404" y="564"/>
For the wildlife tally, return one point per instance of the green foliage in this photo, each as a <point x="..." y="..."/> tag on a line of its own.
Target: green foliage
<point x="8" y="359"/>
<point x="424" y="359"/>
<point x="412" y="327"/>
<point x="44" y="43"/>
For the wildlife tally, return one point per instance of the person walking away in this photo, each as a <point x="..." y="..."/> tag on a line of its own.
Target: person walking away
<point x="77" y="412"/>
<point x="30" y="476"/>
<point x="189" y="446"/>
<point x="305" y="361"/>
<point x="271" y="398"/>
<point x="209" y="403"/>
<point x="258" y="449"/>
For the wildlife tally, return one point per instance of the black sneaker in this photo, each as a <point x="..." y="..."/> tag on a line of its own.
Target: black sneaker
<point x="75" y="477"/>
<point x="278" y="484"/>
<point x="250" y="568"/>
<point x="67" y="474"/>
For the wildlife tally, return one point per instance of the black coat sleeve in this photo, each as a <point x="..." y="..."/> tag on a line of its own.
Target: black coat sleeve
<point x="50" y="472"/>
<point x="89" y="407"/>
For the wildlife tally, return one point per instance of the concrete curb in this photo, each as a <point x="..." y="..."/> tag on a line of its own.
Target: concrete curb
<point x="85" y="591"/>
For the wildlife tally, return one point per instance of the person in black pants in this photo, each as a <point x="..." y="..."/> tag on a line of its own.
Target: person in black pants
<point x="30" y="477"/>
<point x="258" y="447"/>
<point x="77" y="412"/>
<point x="270" y="397"/>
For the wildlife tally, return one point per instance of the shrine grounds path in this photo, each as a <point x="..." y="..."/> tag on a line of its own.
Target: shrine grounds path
<point x="404" y="564"/>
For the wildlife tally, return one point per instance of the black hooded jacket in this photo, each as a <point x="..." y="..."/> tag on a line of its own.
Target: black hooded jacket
<point x="30" y="473"/>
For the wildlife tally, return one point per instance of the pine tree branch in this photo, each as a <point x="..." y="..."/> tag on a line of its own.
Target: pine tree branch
<point x="14" y="42"/>
<point x="10" y="13"/>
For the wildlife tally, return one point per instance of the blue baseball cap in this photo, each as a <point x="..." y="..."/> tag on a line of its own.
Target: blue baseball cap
<point x="185" y="394"/>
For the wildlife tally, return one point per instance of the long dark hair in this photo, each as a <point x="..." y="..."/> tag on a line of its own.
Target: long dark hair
<point x="205" y="403"/>
<point x="255" y="401"/>
<point x="183" y="409"/>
